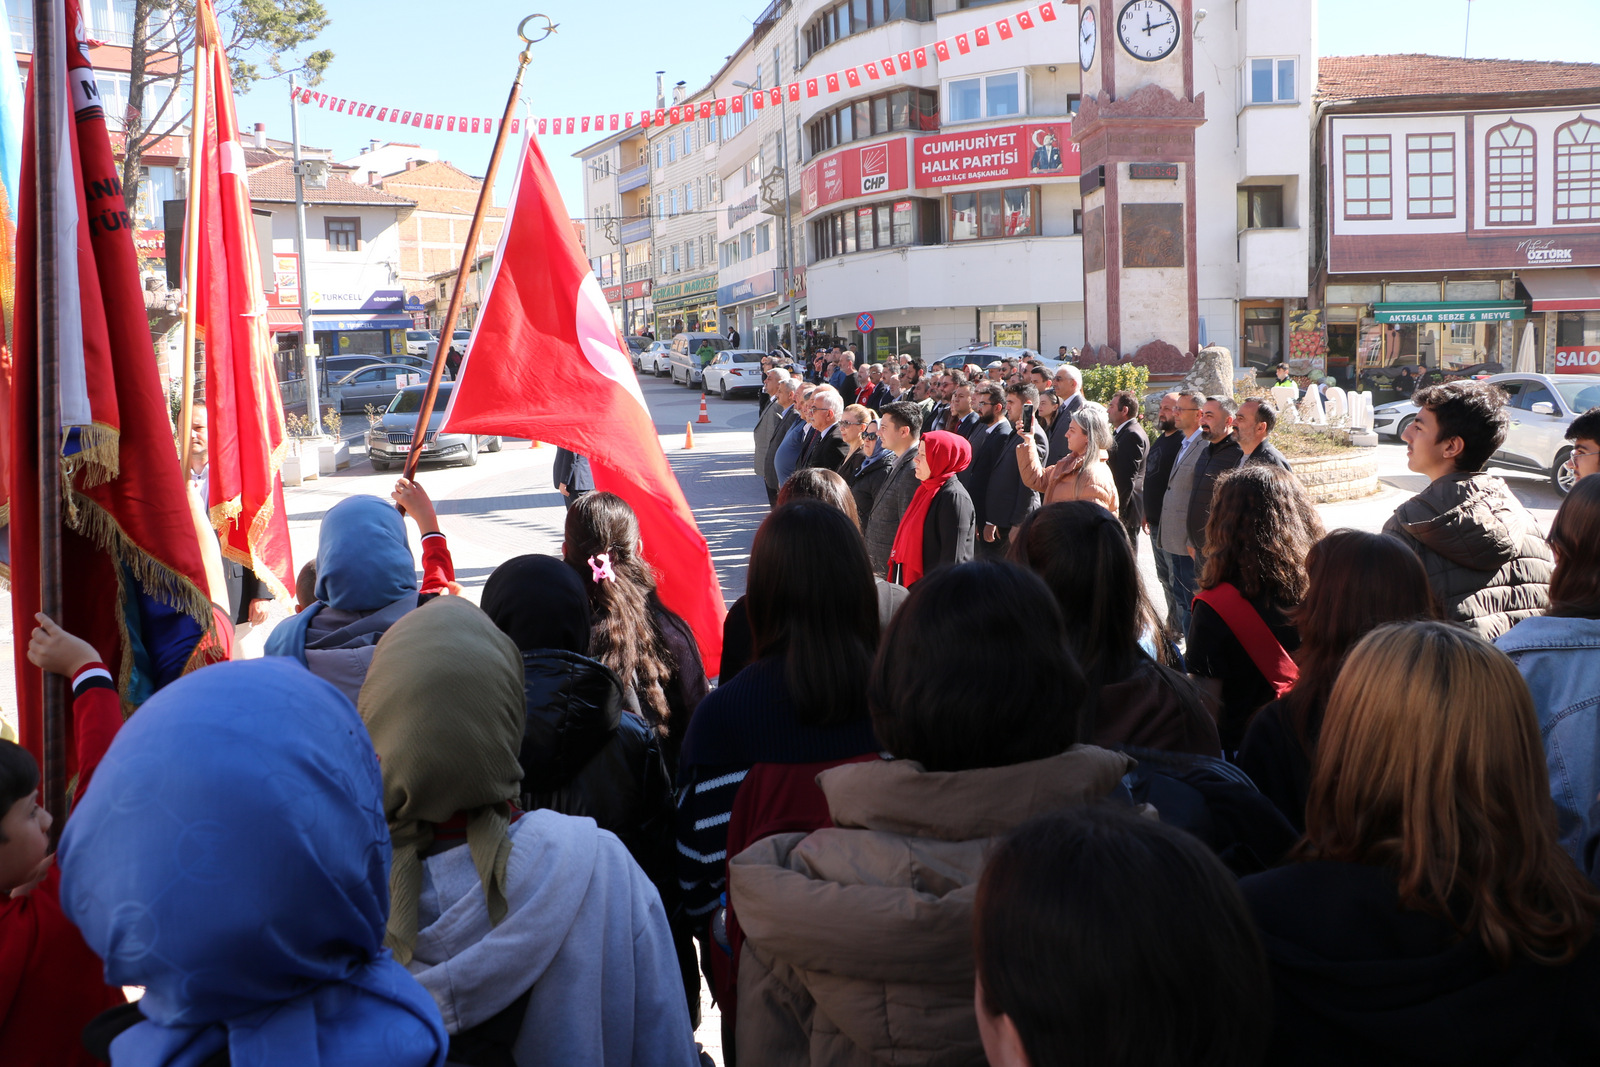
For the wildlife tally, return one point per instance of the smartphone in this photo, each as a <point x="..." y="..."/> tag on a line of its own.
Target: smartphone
<point x="1027" y="419"/>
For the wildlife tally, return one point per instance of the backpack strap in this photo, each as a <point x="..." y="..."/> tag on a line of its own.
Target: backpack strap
<point x="1254" y="634"/>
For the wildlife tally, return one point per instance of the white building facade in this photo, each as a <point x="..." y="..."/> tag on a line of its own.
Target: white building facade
<point x="685" y="195"/>
<point x="617" y="223"/>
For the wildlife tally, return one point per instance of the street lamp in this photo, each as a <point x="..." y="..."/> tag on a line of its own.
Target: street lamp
<point x="783" y="169"/>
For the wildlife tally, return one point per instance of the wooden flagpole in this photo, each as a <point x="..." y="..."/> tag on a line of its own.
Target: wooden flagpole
<point x="469" y="253"/>
<point x="49" y="83"/>
<point x="191" y="241"/>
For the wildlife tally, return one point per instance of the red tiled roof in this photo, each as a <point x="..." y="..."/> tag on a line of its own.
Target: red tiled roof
<point x="274" y="183"/>
<point x="1364" y="77"/>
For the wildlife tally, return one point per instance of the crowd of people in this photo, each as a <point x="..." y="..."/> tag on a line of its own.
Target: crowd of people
<point x="965" y="791"/>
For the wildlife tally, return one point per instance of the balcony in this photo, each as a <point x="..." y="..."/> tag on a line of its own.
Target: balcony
<point x="1272" y="263"/>
<point x="638" y="273"/>
<point x="629" y="180"/>
<point x="638" y="230"/>
<point x="1019" y="270"/>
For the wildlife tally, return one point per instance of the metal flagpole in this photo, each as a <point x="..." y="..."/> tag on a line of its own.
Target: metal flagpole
<point x="469" y="253"/>
<point x="308" y="348"/>
<point x="191" y="239"/>
<point x="49" y="82"/>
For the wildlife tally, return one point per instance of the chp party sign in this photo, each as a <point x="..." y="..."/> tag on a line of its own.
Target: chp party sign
<point x="998" y="153"/>
<point x="864" y="170"/>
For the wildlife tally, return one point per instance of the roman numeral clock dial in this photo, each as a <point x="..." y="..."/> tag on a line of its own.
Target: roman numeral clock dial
<point x="1148" y="29"/>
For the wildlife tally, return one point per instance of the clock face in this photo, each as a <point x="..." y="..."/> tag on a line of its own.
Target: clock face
<point x="1148" y="29"/>
<point x="1088" y="38"/>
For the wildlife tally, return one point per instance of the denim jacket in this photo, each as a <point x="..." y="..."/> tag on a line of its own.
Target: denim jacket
<point x="1560" y="660"/>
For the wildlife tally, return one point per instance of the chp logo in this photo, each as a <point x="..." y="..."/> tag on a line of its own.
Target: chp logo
<point x="1543" y="250"/>
<point x="874" y="169"/>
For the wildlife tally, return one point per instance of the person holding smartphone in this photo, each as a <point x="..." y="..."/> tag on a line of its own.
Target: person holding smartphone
<point x="1007" y="499"/>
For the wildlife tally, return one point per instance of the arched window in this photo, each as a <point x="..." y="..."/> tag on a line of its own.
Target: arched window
<point x="1578" y="171"/>
<point x="1510" y="154"/>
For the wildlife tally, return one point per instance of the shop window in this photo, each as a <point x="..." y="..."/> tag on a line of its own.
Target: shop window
<point x="1509" y="149"/>
<point x="991" y="96"/>
<point x="901" y="109"/>
<point x="858" y="16"/>
<point x="1430" y="175"/>
<point x="1263" y="206"/>
<point x="344" y="235"/>
<point x="1578" y="329"/>
<point x="994" y="213"/>
<point x="1578" y="171"/>
<point x="1263" y="336"/>
<point x="1367" y="194"/>
<point x="1272" y="81"/>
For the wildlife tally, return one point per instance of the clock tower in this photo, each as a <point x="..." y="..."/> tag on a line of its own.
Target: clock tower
<point x="1136" y="133"/>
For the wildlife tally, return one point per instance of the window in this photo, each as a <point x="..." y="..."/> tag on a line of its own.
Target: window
<point x="1366" y="178"/>
<point x="993" y="96"/>
<point x="994" y="213"/>
<point x="1578" y="171"/>
<point x="688" y="197"/>
<point x="672" y="149"/>
<point x="734" y="121"/>
<point x="674" y="201"/>
<point x="902" y="109"/>
<point x="903" y="222"/>
<point x="1430" y="175"/>
<point x="1263" y="206"/>
<point x="658" y="156"/>
<point x="751" y="171"/>
<point x="688" y="140"/>
<point x="344" y="235"/>
<point x="858" y="16"/>
<point x="764" y="238"/>
<point x="677" y="263"/>
<point x="1272" y="81"/>
<point x="1511" y="172"/>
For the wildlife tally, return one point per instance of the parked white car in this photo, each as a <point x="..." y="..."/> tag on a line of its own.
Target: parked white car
<point x="417" y="341"/>
<point x="734" y="370"/>
<point x="1541" y="407"/>
<point x="655" y="358"/>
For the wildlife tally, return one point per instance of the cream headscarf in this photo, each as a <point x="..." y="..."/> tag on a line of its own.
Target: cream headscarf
<point x="444" y="704"/>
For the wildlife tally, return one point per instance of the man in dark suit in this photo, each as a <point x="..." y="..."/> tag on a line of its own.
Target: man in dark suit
<point x="1157" y="469"/>
<point x="1257" y="419"/>
<point x="962" y="419"/>
<point x="571" y="476"/>
<point x="988" y="444"/>
<point x="828" y="448"/>
<point x="788" y="418"/>
<point x="1068" y="383"/>
<point x="1008" y="500"/>
<point x="1128" y="449"/>
<point x="1220" y="454"/>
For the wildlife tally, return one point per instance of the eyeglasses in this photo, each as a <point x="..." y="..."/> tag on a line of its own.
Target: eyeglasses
<point x="1182" y="408"/>
<point x="869" y="436"/>
<point x="852" y="423"/>
<point x="1581" y="453"/>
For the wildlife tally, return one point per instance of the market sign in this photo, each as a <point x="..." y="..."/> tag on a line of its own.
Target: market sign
<point x="678" y="291"/>
<point x="1472" y="311"/>
<point x="999" y="153"/>
<point x="862" y="171"/>
<point x="1578" y="359"/>
<point x="638" y="290"/>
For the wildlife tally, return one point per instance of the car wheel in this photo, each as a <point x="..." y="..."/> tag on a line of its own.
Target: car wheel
<point x="381" y="465"/>
<point x="471" y="459"/>
<point x="723" y="391"/>
<point x="1405" y="424"/>
<point x="1562" y="476"/>
<point x="493" y="445"/>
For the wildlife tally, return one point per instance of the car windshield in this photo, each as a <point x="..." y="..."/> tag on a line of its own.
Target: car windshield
<point x="409" y="401"/>
<point x="1580" y="396"/>
<point x="461" y="335"/>
<point x="418" y="335"/>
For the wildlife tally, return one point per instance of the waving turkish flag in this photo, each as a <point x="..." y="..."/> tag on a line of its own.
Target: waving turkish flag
<point x="545" y="364"/>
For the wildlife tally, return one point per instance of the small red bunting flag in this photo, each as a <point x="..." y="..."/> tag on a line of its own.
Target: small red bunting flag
<point x="872" y="71"/>
<point x="1024" y="20"/>
<point x="1004" y="29"/>
<point x="905" y="61"/>
<point x="942" y="50"/>
<point x="722" y="106"/>
<point x="1047" y="12"/>
<point x="833" y="82"/>
<point x="853" y="76"/>
<point x="888" y="65"/>
<point x="981" y="35"/>
<point x="811" y="87"/>
<point x="920" y="57"/>
<point x="759" y="99"/>
<point x="962" y="45"/>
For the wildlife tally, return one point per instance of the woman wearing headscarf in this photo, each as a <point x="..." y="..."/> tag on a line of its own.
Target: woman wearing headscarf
<point x="1083" y="473"/>
<point x="232" y="859"/>
<point x="366" y="580"/>
<point x="937" y="527"/>
<point x="539" y="924"/>
<point x="583" y="752"/>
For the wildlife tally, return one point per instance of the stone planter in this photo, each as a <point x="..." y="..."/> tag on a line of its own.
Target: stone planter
<point x="332" y="456"/>
<point x="291" y="472"/>
<point x="1348" y="474"/>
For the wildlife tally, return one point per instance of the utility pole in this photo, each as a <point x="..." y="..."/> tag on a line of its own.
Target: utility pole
<point x="308" y="345"/>
<point x="788" y="219"/>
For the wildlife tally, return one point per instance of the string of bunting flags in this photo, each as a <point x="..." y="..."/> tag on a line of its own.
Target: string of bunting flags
<point x="960" y="44"/>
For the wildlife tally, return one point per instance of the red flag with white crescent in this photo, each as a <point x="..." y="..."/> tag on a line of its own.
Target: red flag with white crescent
<point x="546" y="364"/>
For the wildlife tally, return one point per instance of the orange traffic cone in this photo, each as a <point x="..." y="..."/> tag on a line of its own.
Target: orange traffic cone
<point x="705" y="416"/>
<point x="688" y="435"/>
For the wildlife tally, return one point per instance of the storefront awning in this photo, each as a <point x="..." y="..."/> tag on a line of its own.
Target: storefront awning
<point x="1573" y="289"/>
<point x="283" y="320"/>
<point x="1468" y="311"/>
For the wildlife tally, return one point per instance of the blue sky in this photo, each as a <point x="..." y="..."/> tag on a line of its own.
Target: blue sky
<point x="605" y="55"/>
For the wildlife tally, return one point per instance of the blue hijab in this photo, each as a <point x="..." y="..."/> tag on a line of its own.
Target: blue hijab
<point x="364" y="564"/>
<point x="232" y="857"/>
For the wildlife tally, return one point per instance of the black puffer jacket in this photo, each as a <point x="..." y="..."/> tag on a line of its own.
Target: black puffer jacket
<point x="1486" y="558"/>
<point x="582" y="754"/>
